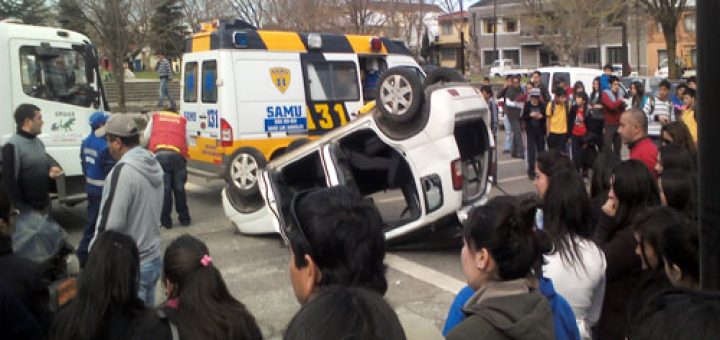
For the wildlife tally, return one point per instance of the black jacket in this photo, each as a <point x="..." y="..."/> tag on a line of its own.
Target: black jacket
<point x="25" y="279"/>
<point x="535" y="125"/>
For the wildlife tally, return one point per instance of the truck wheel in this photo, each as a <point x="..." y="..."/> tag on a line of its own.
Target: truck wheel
<point x="443" y="75"/>
<point x="242" y="172"/>
<point x="399" y="94"/>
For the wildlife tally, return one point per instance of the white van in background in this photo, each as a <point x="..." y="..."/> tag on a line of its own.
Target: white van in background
<point x="57" y="71"/>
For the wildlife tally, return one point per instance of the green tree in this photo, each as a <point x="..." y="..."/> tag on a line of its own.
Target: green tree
<point x="166" y="29"/>
<point x="31" y="12"/>
<point x="71" y="16"/>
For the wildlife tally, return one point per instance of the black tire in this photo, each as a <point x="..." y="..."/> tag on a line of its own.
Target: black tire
<point x="443" y="75"/>
<point x="400" y="94"/>
<point x="297" y="143"/>
<point x="242" y="172"/>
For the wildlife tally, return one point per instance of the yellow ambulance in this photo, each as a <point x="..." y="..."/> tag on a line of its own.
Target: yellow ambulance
<point x="248" y="94"/>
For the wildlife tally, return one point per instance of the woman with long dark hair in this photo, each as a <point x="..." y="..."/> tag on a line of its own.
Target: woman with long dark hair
<point x="576" y="264"/>
<point x="637" y="95"/>
<point x="499" y="252"/>
<point x="199" y="303"/>
<point x="106" y="305"/>
<point x="674" y="157"/>
<point x="632" y="190"/>
<point x="678" y="191"/>
<point x="678" y="133"/>
<point x="596" y="123"/>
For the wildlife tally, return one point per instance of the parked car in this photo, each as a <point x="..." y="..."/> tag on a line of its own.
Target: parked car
<point x="650" y="83"/>
<point x="550" y="76"/>
<point x="424" y="156"/>
<point x="504" y="67"/>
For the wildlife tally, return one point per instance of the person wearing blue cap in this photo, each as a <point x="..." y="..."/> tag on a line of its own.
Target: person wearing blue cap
<point x="96" y="164"/>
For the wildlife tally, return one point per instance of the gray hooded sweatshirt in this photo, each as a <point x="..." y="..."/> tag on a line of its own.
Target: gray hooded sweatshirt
<point x="136" y="203"/>
<point x="506" y="310"/>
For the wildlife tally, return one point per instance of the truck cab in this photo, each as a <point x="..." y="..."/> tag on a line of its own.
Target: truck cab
<point x="56" y="70"/>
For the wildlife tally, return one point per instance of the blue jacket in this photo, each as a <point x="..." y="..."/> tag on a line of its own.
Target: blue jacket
<point x="96" y="163"/>
<point x="563" y="316"/>
<point x="604" y="82"/>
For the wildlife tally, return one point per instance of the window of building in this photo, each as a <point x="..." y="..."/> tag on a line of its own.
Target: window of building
<point x="488" y="26"/>
<point x="548" y="58"/>
<point x="662" y="58"/>
<point x="55" y="74"/>
<point x="591" y="56"/>
<point x="514" y="55"/>
<point x="614" y="55"/>
<point x="447" y="54"/>
<point x="488" y="57"/>
<point x="334" y="80"/>
<point x="511" y="25"/>
<point x="209" y="87"/>
<point x="190" y="88"/>
<point x="690" y="23"/>
<point x="446" y="28"/>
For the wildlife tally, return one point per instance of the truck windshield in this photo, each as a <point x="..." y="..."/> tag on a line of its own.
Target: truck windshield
<point x="56" y="77"/>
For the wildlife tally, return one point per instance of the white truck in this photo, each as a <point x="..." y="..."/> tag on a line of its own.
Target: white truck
<point x="505" y="67"/>
<point x="56" y="70"/>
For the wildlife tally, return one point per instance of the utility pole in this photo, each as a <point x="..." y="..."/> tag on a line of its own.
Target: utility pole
<point x="495" y="50"/>
<point x="637" y="36"/>
<point x="462" y="40"/>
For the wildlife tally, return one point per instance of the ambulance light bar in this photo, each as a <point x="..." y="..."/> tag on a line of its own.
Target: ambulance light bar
<point x="314" y="41"/>
<point x="240" y="39"/>
<point x="376" y="44"/>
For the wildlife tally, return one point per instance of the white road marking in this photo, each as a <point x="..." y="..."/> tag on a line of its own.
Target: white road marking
<point x="425" y="274"/>
<point x="511" y="161"/>
<point x="512" y="179"/>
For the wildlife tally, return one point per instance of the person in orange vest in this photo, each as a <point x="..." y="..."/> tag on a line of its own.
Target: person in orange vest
<point x="167" y="139"/>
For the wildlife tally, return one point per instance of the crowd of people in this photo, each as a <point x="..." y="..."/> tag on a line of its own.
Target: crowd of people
<point x="582" y="123"/>
<point x="617" y="260"/>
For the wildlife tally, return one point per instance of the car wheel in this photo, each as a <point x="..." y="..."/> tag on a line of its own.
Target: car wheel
<point x="399" y="94"/>
<point x="242" y="172"/>
<point x="297" y="143"/>
<point x="443" y="75"/>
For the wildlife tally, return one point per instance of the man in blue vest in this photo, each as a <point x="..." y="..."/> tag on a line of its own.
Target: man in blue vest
<point x="96" y="164"/>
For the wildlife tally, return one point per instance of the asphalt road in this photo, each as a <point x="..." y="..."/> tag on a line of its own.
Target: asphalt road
<point x="423" y="276"/>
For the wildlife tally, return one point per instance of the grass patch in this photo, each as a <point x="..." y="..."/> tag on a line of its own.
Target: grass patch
<point x="146" y="75"/>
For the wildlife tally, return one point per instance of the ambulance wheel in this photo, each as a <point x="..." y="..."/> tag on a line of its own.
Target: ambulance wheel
<point x="400" y="94"/>
<point x="242" y="172"/>
<point x="443" y="75"/>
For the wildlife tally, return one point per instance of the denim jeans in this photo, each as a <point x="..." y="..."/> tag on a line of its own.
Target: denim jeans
<point x="174" y="166"/>
<point x="149" y="276"/>
<point x="164" y="92"/>
<point x="93" y="210"/>
<point x="508" y="133"/>
<point x="517" y="149"/>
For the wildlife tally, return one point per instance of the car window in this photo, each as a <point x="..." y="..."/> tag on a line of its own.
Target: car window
<point x="209" y="87"/>
<point x="333" y="81"/>
<point x="545" y="78"/>
<point x="190" y="87"/>
<point x="564" y="76"/>
<point x="57" y="76"/>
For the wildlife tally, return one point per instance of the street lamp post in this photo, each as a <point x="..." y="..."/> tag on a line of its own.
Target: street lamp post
<point x="462" y="41"/>
<point x="495" y="50"/>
